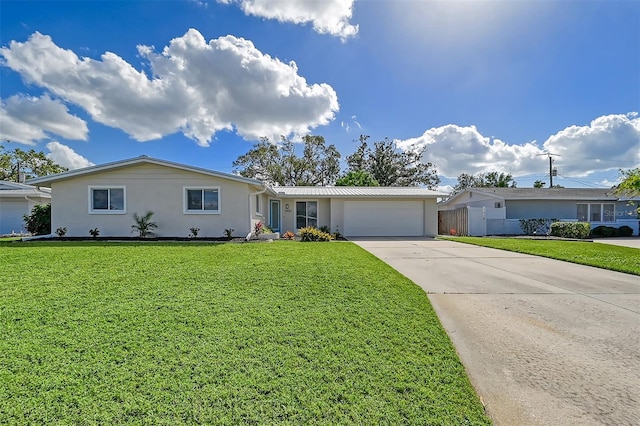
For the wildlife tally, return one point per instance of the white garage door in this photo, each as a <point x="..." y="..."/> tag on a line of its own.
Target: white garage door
<point x="383" y="218"/>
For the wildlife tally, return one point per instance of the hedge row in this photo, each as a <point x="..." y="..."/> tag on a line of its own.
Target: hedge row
<point x="578" y="230"/>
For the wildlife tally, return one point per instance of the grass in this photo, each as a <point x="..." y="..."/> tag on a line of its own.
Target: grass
<point x="279" y="333"/>
<point x="606" y="256"/>
<point x="9" y="239"/>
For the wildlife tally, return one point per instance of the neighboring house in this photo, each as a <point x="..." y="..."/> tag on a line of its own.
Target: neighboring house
<point x="181" y="197"/>
<point x="16" y="200"/>
<point x="497" y="211"/>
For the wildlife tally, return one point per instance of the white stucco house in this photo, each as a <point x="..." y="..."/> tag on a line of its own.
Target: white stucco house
<point x="106" y="197"/>
<point x="16" y="200"/>
<point x="497" y="211"/>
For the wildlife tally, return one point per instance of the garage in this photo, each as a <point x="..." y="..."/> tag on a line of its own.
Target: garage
<point x="384" y="218"/>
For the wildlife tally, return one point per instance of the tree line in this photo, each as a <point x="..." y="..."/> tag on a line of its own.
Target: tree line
<point x="381" y="163"/>
<point x="378" y="164"/>
<point x="18" y="165"/>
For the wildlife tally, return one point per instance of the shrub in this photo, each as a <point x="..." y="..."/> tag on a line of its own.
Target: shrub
<point x="336" y="235"/>
<point x="288" y="235"/>
<point x="536" y="226"/>
<point x="194" y="232"/>
<point x="325" y="228"/>
<point x="94" y="232"/>
<point x="143" y="224"/>
<point x="61" y="232"/>
<point x="578" y="230"/>
<point x="39" y="221"/>
<point x="604" y="231"/>
<point x="312" y="234"/>
<point x="625" y="231"/>
<point x="228" y="233"/>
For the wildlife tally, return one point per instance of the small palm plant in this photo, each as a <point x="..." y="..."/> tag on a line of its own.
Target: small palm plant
<point x="143" y="224"/>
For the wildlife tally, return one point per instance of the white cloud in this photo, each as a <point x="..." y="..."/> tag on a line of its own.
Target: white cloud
<point x="607" y="143"/>
<point x="66" y="157"/>
<point x="197" y="88"/>
<point x="327" y="16"/>
<point x="27" y="119"/>
<point x="455" y="150"/>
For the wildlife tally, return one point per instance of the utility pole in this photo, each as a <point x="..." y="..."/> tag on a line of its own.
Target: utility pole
<point x="552" y="172"/>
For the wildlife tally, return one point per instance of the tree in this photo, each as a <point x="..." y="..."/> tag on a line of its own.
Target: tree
<point x="485" y="180"/>
<point x="27" y="164"/>
<point x="39" y="221"/>
<point x="278" y="164"/>
<point x="630" y="185"/>
<point x="539" y="184"/>
<point x="390" y="166"/>
<point x="357" y="178"/>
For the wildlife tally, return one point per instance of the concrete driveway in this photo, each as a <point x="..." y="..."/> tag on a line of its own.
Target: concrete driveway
<point x="544" y="342"/>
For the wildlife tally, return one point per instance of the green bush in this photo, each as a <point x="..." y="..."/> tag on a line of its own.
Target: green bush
<point x="536" y="226"/>
<point x="312" y="234"/>
<point x="625" y="231"/>
<point x="604" y="231"/>
<point x="39" y="221"/>
<point x="579" y="230"/>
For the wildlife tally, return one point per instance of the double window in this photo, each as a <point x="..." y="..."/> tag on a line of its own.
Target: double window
<point x="306" y="214"/>
<point x="597" y="212"/>
<point x="204" y="200"/>
<point x="104" y="199"/>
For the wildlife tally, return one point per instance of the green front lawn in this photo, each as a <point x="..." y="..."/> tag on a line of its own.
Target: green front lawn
<point x="614" y="258"/>
<point x="265" y="333"/>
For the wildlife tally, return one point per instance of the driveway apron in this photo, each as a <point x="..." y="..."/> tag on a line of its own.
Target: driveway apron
<point x="544" y="342"/>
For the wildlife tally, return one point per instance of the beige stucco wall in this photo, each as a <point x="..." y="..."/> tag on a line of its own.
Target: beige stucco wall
<point x="154" y="188"/>
<point x="430" y="217"/>
<point x="331" y="213"/>
<point x="430" y="214"/>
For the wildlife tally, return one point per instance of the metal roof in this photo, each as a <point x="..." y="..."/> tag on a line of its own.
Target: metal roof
<point x="21" y="190"/>
<point x="356" y="191"/>
<point x="139" y="160"/>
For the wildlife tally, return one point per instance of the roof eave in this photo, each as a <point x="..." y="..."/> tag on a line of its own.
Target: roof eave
<point x="139" y="160"/>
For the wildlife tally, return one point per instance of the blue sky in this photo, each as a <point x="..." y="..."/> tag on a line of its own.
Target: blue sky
<point x="483" y="85"/>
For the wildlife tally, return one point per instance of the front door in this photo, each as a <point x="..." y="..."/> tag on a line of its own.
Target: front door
<point x="274" y="215"/>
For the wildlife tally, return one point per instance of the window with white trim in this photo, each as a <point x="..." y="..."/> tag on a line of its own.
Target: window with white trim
<point x="202" y="200"/>
<point x="107" y="199"/>
<point x="306" y="214"/>
<point x="596" y="212"/>
<point x="258" y="205"/>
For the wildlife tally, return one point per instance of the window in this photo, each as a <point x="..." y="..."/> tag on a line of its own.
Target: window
<point x="497" y="205"/>
<point x="258" y="205"/>
<point x="596" y="212"/>
<point x="104" y="199"/>
<point x="202" y="200"/>
<point x="583" y="212"/>
<point x="306" y="214"/>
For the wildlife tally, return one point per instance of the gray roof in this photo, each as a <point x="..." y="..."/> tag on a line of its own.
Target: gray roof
<point x="139" y="160"/>
<point x="356" y="191"/>
<point x="550" y="193"/>
<point x="21" y="190"/>
<point x="577" y="194"/>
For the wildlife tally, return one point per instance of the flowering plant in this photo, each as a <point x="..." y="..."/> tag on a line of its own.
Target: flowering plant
<point x="257" y="228"/>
